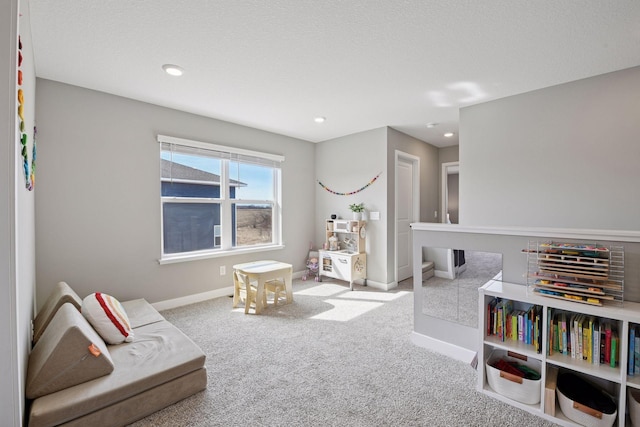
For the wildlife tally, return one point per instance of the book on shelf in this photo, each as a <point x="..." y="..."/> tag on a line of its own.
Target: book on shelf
<point x="563" y="332"/>
<point x="607" y="344"/>
<point x="631" y="364"/>
<point x="557" y="348"/>
<point x="576" y="337"/>
<point x="596" y="342"/>
<point x="491" y="306"/>
<point x="521" y="315"/>
<point x="637" y="353"/>
<point x="513" y="333"/>
<point x="586" y="339"/>
<point x="509" y="324"/>
<point x="539" y="329"/>
<point x="549" y="331"/>
<point x="614" y="358"/>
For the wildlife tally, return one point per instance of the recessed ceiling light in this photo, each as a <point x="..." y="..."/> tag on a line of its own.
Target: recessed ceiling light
<point x="449" y="134"/>
<point x="319" y="119"/>
<point x="432" y="125"/>
<point x="173" y="70"/>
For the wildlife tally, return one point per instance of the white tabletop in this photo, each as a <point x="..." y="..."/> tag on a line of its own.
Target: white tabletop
<point x="263" y="266"/>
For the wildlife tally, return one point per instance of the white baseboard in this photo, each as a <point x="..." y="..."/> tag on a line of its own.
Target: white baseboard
<point x="443" y="274"/>
<point x="223" y="292"/>
<point x="192" y="299"/>
<point x="448" y="349"/>
<point x="382" y="286"/>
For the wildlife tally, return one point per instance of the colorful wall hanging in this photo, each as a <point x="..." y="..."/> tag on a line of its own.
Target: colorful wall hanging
<point x="350" y="192"/>
<point x="29" y="169"/>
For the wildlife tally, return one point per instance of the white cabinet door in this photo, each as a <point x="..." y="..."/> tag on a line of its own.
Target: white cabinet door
<point x="342" y="266"/>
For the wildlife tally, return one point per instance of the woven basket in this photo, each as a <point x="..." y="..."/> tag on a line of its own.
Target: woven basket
<point x="516" y="388"/>
<point x="590" y="412"/>
<point x="584" y="415"/>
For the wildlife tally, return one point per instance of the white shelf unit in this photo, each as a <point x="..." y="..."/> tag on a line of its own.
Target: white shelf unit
<point x="613" y="380"/>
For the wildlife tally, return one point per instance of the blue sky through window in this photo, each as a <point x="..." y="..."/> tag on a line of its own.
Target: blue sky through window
<point x="258" y="179"/>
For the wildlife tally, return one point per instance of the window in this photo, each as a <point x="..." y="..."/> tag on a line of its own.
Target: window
<point x="217" y="199"/>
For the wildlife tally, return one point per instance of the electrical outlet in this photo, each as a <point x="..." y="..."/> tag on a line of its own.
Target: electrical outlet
<point x="223" y="270"/>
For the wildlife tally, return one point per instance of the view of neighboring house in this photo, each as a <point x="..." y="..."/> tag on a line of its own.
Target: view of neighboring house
<point x="191" y="226"/>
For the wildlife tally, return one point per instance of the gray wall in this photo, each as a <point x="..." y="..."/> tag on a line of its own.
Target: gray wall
<point x="445" y="155"/>
<point x="448" y="154"/>
<point x="453" y="198"/>
<point x="564" y="156"/>
<point x="429" y="170"/>
<point x="347" y="164"/>
<point x="98" y="199"/>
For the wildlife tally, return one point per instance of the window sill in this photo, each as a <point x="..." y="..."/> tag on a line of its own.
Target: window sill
<point x="172" y="259"/>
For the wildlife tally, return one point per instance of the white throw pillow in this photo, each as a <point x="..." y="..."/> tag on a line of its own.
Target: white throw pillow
<point x="108" y="318"/>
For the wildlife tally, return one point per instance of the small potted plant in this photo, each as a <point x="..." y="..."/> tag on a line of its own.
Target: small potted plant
<point x="357" y="209"/>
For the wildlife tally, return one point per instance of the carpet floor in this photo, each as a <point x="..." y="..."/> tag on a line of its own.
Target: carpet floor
<point x="333" y="357"/>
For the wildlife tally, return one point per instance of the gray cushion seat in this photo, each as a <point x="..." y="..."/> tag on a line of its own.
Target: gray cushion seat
<point x="61" y="294"/>
<point x="160" y="367"/>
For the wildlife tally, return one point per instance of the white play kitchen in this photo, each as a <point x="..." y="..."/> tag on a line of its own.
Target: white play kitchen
<point x="343" y="255"/>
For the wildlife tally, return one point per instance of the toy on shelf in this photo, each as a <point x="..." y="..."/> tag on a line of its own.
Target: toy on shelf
<point x="591" y="274"/>
<point x="313" y="266"/>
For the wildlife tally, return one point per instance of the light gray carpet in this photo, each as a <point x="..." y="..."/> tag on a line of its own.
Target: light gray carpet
<point x="296" y="365"/>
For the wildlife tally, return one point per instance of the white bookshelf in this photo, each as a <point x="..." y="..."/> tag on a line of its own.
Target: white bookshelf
<point x="614" y="379"/>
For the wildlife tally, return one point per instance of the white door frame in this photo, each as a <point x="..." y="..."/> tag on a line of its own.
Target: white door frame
<point x="447" y="168"/>
<point x="415" y="161"/>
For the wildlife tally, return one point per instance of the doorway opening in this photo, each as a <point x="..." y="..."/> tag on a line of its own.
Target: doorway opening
<point x="450" y="179"/>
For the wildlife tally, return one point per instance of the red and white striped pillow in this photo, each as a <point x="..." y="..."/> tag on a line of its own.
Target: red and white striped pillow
<point x="108" y="318"/>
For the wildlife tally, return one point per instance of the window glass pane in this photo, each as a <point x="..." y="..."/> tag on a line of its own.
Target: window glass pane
<point x="253" y="224"/>
<point x="218" y="178"/>
<point x="190" y="226"/>
<point x="188" y="175"/>
<point x="250" y="181"/>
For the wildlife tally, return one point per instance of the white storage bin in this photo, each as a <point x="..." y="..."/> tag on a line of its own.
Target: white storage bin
<point x="582" y="413"/>
<point x="519" y="389"/>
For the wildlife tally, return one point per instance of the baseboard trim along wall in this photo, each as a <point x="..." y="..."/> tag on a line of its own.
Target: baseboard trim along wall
<point x="192" y="299"/>
<point x="448" y="349"/>
<point x="224" y="292"/>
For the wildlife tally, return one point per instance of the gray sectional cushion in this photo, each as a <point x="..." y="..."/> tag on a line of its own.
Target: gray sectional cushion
<point x="60" y="294"/>
<point x="132" y="409"/>
<point x="68" y="353"/>
<point x="159" y="354"/>
<point x="141" y="313"/>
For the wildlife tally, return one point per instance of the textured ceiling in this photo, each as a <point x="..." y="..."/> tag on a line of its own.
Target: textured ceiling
<point x="277" y="64"/>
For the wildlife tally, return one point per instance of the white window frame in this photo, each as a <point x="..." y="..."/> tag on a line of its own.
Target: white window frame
<point x="225" y="203"/>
